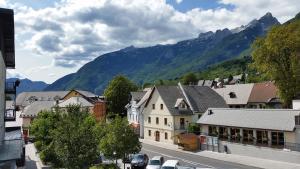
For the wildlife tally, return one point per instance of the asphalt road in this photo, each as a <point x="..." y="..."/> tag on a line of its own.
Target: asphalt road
<point x="186" y="159"/>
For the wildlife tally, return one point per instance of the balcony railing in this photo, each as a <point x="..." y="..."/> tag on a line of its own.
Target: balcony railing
<point x="10" y="115"/>
<point x="10" y="87"/>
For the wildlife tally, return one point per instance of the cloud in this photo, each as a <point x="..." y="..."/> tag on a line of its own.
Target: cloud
<point x="73" y="32"/>
<point x="12" y="73"/>
<point x="178" y="1"/>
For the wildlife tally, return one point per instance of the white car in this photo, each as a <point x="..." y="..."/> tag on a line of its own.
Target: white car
<point x="155" y="162"/>
<point x="170" y="164"/>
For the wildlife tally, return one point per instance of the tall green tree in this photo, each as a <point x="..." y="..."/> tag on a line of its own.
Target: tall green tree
<point x="189" y="78"/>
<point x="119" y="140"/>
<point x="117" y="94"/>
<point x="76" y="139"/>
<point x="42" y="129"/>
<point x="278" y="56"/>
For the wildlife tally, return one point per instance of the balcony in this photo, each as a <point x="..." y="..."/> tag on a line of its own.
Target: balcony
<point x="10" y="115"/>
<point x="11" y="87"/>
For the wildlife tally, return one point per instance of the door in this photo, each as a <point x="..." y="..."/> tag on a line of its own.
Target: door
<point x="157" y="136"/>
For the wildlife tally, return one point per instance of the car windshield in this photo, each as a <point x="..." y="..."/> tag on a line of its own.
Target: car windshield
<point x="167" y="167"/>
<point x="154" y="162"/>
<point x="138" y="157"/>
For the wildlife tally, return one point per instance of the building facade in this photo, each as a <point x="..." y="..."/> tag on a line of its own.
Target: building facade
<point x="12" y="151"/>
<point x="170" y="109"/>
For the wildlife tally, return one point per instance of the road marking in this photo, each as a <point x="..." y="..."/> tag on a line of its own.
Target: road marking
<point x="184" y="160"/>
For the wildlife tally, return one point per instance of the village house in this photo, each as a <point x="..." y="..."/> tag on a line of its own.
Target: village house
<point x="253" y="132"/>
<point x="135" y="108"/>
<point x="170" y="109"/>
<point x="12" y="151"/>
<point x="251" y="95"/>
<point x="32" y="103"/>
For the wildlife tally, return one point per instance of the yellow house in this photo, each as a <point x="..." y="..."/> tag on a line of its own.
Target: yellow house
<point x="170" y="109"/>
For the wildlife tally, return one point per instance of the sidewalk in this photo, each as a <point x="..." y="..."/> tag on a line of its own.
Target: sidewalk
<point x="243" y="160"/>
<point x="33" y="161"/>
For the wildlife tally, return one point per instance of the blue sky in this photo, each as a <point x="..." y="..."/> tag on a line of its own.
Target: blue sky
<point x="55" y="38"/>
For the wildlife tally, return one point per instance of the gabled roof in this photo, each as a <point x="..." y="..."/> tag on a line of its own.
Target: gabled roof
<point x="145" y="97"/>
<point x="23" y="98"/>
<point x="34" y="108"/>
<point x="241" y="91"/>
<point x="263" y="92"/>
<point x="271" y="119"/>
<point x="198" y="98"/>
<point x="137" y="96"/>
<point x="203" y="97"/>
<point x="76" y="101"/>
<point x="86" y="93"/>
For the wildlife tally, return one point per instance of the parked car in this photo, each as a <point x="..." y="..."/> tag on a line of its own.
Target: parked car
<point x="155" y="163"/>
<point x="139" y="161"/>
<point x="170" y="164"/>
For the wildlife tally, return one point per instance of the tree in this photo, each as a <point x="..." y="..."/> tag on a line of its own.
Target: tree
<point x="189" y="78"/>
<point x="119" y="140"/>
<point x="42" y="128"/>
<point x="278" y="56"/>
<point x="117" y="94"/>
<point x="76" y="139"/>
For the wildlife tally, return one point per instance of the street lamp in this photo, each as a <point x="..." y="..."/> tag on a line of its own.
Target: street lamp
<point x="114" y="153"/>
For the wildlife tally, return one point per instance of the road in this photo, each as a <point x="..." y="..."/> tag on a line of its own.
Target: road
<point x="186" y="159"/>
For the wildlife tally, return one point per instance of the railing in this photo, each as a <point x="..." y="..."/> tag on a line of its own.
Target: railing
<point x="10" y="115"/>
<point x="10" y="87"/>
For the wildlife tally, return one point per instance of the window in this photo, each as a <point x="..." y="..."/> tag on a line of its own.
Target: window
<point x="149" y="132"/>
<point x="232" y="95"/>
<point x="166" y="136"/>
<point x="277" y="138"/>
<point x="182" y="105"/>
<point x="166" y="121"/>
<point x="212" y="131"/>
<point x="223" y="133"/>
<point x="161" y="106"/>
<point x="199" y="116"/>
<point x="248" y="136"/>
<point x="149" y="120"/>
<point x="181" y="123"/>
<point x="262" y="137"/>
<point x="153" y="106"/>
<point x="235" y="134"/>
<point x="297" y="120"/>
<point x="157" y="120"/>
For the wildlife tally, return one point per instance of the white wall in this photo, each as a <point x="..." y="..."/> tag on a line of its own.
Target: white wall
<point x="296" y="104"/>
<point x="2" y="96"/>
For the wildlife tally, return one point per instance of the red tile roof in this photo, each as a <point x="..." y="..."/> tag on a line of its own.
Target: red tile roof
<point x="263" y="92"/>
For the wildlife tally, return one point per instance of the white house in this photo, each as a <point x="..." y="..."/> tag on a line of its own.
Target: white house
<point x="135" y="108"/>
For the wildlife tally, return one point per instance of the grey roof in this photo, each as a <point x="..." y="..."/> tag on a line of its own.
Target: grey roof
<point x="169" y="95"/>
<point x="76" y="101"/>
<point x="23" y="98"/>
<point x="199" y="97"/>
<point x="203" y="97"/>
<point x="34" y="108"/>
<point x="145" y="97"/>
<point x="242" y="92"/>
<point x="137" y="96"/>
<point x="271" y="119"/>
<point x="87" y="93"/>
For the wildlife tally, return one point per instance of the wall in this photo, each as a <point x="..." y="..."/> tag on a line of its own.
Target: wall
<point x="290" y="137"/>
<point x="296" y="104"/>
<point x="73" y="93"/>
<point x="262" y="152"/>
<point x="2" y="97"/>
<point x="161" y="114"/>
<point x="99" y="111"/>
<point x="26" y="122"/>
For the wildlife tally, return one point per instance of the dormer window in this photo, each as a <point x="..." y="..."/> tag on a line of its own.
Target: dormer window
<point x="232" y="95"/>
<point x="182" y="105"/>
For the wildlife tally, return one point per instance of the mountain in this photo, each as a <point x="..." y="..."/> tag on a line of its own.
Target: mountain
<point x="166" y="61"/>
<point x="27" y="85"/>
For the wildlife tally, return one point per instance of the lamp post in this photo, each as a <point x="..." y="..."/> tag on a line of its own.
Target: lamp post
<point x="115" y="155"/>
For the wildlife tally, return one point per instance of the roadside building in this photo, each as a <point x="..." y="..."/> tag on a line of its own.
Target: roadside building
<point x="135" y="108"/>
<point x="170" y="109"/>
<point x="12" y="151"/>
<point x="254" y="132"/>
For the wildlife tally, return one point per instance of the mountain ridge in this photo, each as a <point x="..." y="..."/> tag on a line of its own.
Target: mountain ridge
<point x="165" y="61"/>
<point x="28" y="85"/>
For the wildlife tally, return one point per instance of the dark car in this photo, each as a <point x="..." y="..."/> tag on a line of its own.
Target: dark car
<point x="139" y="161"/>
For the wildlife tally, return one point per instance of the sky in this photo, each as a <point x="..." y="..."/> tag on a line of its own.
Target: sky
<point x="54" y="38"/>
